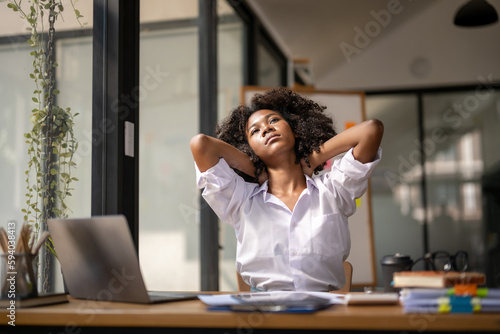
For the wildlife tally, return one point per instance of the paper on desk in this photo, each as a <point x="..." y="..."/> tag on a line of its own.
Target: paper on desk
<point x="228" y="300"/>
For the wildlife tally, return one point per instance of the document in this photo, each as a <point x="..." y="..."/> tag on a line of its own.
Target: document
<point x="273" y="301"/>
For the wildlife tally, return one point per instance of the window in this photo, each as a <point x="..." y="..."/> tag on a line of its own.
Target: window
<point x="446" y="205"/>
<point x="73" y="79"/>
<point x="168" y="97"/>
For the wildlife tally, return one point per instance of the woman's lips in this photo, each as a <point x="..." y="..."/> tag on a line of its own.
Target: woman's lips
<point x="271" y="138"/>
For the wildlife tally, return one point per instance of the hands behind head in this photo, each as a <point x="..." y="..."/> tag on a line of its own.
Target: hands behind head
<point x="263" y="177"/>
<point x="308" y="170"/>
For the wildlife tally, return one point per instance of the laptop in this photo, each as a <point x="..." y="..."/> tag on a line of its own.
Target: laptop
<point x="99" y="261"/>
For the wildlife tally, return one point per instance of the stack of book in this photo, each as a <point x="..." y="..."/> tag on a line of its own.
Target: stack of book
<point x="445" y="292"/>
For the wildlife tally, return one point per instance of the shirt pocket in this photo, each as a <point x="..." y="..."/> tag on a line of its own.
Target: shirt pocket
<point x="330" y="236"/>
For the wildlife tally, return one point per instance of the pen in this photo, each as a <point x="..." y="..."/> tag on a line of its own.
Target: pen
<point x="40" y="242"/>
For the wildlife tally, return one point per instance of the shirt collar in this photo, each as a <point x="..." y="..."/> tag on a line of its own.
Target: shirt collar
<point x="310" y="182"/>
<point x="264" y="187"/>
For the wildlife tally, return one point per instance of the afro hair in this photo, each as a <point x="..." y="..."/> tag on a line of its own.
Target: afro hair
<point x="305" y="117"/>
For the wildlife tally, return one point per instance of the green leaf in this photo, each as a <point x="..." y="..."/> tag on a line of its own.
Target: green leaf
<point x="56" y="92"/>
<point x="53" y="171"/>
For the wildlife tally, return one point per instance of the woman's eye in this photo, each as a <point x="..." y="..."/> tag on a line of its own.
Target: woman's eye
<point x="254" y="131"/>
<point x="273" y="120"/>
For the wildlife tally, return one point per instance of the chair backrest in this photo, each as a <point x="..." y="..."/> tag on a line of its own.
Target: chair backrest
<point x="348" y="277"/>
<point x="243" y="286"/>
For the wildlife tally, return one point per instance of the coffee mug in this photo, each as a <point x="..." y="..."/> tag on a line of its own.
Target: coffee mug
<point x="390" y="265"/>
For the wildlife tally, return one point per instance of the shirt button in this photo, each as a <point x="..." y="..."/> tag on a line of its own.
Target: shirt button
<point x="299" y="280"/>
<point x="294" y="252"/>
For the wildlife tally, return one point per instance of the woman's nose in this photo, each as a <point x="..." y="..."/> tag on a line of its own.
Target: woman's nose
<point x="268" y="129"/>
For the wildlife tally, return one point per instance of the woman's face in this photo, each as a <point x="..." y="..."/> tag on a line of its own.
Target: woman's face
<point x="269" y="134"/>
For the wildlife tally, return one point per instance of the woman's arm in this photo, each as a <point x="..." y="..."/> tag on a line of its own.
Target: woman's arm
<point x="207" y="152"/>
<point x="364" y="137"/>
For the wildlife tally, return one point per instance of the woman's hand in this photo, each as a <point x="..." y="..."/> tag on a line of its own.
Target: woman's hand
<point x="306" y="168"/>
<point x="263" y="177"/>
<point x="364" y="138"/>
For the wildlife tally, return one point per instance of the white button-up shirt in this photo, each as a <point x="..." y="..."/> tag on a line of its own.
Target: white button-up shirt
<point x="279" y="249"/>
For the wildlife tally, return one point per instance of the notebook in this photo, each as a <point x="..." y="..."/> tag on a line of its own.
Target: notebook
<point x="99" y="261"/>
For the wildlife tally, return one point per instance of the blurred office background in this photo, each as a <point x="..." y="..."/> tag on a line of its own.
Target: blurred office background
<point x="433" y="84"/>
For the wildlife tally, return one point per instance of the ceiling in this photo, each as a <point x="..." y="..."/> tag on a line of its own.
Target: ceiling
<point x="319" y="29"/>
<point x="417" y="30"/>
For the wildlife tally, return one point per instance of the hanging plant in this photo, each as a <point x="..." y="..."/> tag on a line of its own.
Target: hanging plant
<point x="51" y="141"/>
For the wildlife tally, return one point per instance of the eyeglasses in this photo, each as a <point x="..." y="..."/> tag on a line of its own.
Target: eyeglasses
<point x="443" y="261"/>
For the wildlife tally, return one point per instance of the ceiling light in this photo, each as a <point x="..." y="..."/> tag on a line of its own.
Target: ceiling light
<point x="476" y="13"/>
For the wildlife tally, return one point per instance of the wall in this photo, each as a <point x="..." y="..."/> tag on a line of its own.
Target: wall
<point x="426" y="50"/>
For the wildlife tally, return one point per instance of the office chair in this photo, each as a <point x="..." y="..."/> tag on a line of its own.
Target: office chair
<point x="243" y="286"/>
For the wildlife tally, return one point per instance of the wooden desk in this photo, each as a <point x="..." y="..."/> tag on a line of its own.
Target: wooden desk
<point x="84" y="316"/>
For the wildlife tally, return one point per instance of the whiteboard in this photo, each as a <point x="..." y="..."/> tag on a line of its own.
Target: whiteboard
<point x="346" y="109"/>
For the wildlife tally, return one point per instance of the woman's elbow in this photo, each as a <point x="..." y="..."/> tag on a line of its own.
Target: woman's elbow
<point x="377" y="125"/>
<point x="198" y="142"/>
<point x="376" y="128"/>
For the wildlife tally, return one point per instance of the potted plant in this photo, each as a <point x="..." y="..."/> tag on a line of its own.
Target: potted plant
<point x="51" y="141"/>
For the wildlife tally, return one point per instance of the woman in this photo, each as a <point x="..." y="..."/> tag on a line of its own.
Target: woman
<point x="291" y="228"/>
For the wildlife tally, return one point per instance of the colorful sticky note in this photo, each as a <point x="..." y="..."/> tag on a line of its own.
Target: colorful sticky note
<point x="349" y="124"/>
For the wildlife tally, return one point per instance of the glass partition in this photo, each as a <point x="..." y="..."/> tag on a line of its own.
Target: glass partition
<point x="461" y="176"/>
<point x="460" y="131"/>
<point x="168" y="118"/>
<point x="269" y="71"/>
<point x="395" y="183"/>
<point x="230" y="81"/>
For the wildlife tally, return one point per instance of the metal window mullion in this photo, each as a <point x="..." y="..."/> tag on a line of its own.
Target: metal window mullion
<point x="115" y="74"/>
<point x="209" y="223"/>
